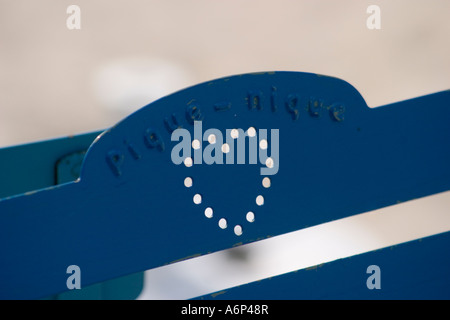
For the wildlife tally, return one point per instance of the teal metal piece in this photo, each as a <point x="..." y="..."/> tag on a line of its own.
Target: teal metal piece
<point x="68" y="168"/>
<point x="132" y="210"/>
<point x="30" y="167"/>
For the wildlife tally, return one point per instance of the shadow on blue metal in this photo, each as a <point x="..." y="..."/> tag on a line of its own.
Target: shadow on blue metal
<point x="413" y="270"/>
<point x="133" y="209"/>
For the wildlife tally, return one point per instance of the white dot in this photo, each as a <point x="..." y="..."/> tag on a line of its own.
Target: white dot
<point x="212" y="139"/>
<point x="188" y="162"/>
<point x="263" y="144"/>
<point x="269" y="162"/>
<point x="259" y="200"/>
<point x="225" y="148"/>
<point x="223" y="223"/>
<point x="196" y="144"/>
<point x="197" y="199"/>
<point x="234" y="133"/>
<point x="250" y="216"/>
<point x="238" y="230"/>
<point x="266" y="182"/>
<point x="251" y="132"/>
<point x="188" y="182"/>
<point x="209" y="212"/>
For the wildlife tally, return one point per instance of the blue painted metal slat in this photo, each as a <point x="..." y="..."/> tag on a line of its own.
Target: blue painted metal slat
<point x="414" y="270"/>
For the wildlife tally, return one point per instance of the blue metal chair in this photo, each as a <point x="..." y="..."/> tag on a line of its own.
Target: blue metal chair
<point x="115" y="204"/>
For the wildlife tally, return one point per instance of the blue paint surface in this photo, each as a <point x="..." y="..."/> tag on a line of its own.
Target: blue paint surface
<point x="415" y="270"/>
<point x="131" y="211"/>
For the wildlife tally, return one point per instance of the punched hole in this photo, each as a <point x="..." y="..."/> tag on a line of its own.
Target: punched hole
<point x="250" y="216"/>
<point x="259" y="200"/>
<point x="269" y="162"/>
<point x="223" y="223"/>
<point x="225" y="148"/>
<point x="197" y="199"/>
<point x="212" y="138"/>
<point x="238" y="230"/>
<point x="263" y="144"/>
<point x="188" y="182"/>
<point x="196" y="144"/>
<point x="266" y="182"/>
<point x="188" y="162"/>
<point x="209" y="212"/>
<point x="234" y="133"/>
<point x="251" y="132"/>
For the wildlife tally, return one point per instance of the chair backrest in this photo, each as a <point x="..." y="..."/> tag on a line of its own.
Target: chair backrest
<point x="218" y="165"/>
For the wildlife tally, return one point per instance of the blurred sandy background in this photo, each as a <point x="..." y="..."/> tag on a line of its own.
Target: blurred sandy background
<point x="55" y="81"/>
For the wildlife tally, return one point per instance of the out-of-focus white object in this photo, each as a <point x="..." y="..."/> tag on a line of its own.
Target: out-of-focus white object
<point x="127" y="84"/>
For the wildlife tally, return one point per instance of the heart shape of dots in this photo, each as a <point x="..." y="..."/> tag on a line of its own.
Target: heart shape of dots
<point x="198" y="199"/>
